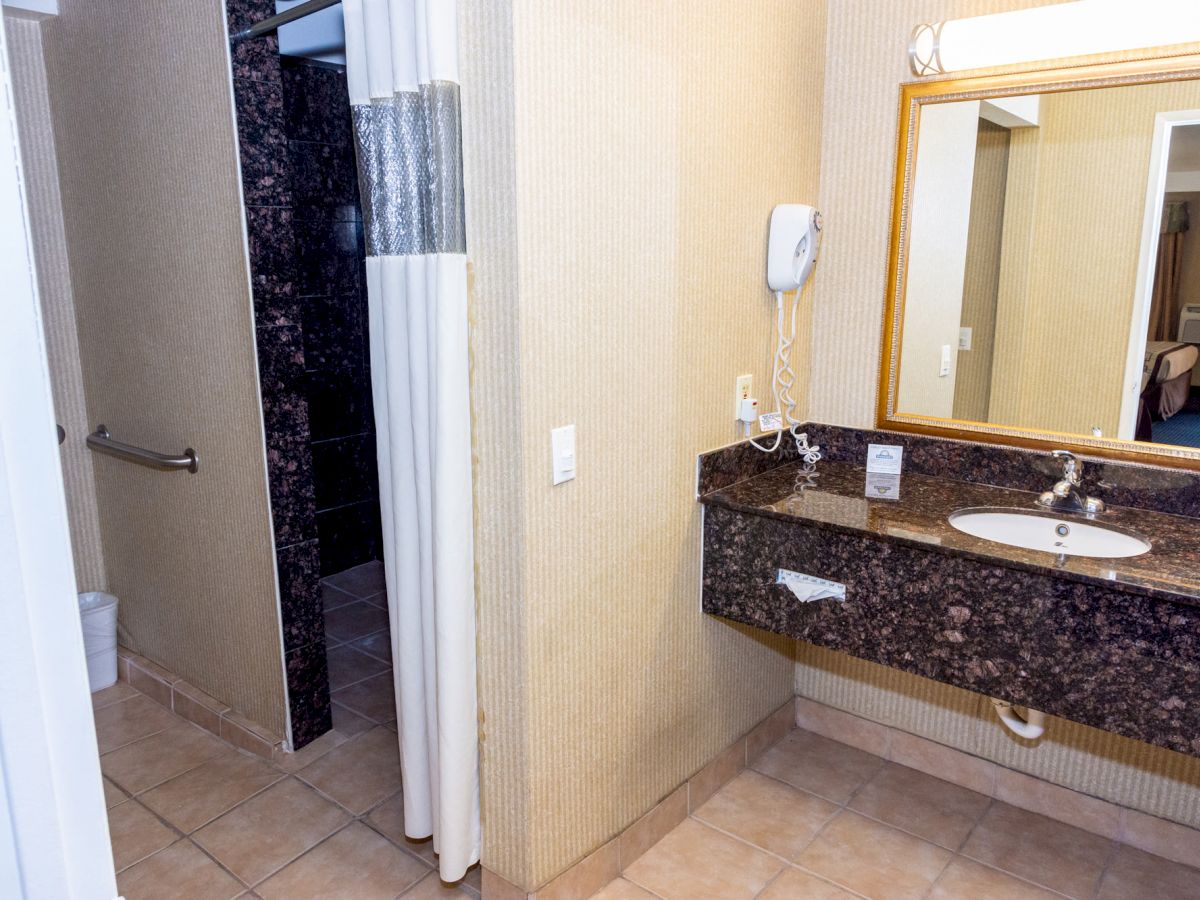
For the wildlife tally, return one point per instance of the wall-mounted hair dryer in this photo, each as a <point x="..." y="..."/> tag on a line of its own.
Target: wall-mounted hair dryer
<point x="793" y="247"/>
<point x="791" y="253"/>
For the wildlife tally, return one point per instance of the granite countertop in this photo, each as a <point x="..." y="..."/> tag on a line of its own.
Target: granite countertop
<point x="833" y="497"/>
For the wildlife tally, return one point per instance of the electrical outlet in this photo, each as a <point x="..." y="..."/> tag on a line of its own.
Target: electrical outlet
<point x="745" y="390"/>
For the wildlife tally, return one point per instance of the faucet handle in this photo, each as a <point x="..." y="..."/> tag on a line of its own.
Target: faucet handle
<point x="1072" y="467"/>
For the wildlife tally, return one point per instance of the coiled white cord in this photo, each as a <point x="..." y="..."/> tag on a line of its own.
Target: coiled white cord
<point x="783" y="379"/>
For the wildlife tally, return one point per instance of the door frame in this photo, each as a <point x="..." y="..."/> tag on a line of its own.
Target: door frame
<point x="54" y="839"/>
<point x="1156" y="187"/>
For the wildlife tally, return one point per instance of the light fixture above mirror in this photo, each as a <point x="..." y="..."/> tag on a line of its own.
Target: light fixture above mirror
<point x="1056" y="31"/>
<point x="1035" y="294"/>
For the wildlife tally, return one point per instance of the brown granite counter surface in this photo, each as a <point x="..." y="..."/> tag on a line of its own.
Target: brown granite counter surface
<point x="833" y="496"/>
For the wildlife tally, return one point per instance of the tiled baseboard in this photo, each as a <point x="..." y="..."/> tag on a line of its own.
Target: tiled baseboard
<point x="197" y="707"/>
<point x="598" y="868"/>
<point x="1161" y="837"/>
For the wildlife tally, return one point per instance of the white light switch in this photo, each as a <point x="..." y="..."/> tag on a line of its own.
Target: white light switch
<point x="562" y="450"/>
<point x="964" y="338"/>
<point x="944" y="368"/>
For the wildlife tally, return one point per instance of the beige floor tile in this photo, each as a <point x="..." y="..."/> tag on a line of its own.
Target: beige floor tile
<point x="431" y="887"/>
<point x="378" y="645"/>
<point x="695" y="862"/>
<point x="136" y="833"/>
<point x="874" y="860"/>
<point x="355" y="620"/>
<point x="620" y="889"/>
<point x="1058" y="856"/>
<point x="270" y="830"/>
<point x="361" y="581"/>
<point x="151" y="761"/>
<point x="965" y="879"/>
<point x="767" y="813"/>
<point x="1134" y="873"/>
<point x="347" y="665"/>
<point x="199" y="796"/>
<point x="930" y="808"/>
<point x="388" y="819"/>
<point x="819" y="765"/>
<point x="113" y="794"/>
<point x="113" y="694"/>
<point x="372" y="698"/>
<point x="130" y="720"/>
<point x="360" y="773"/>
<point x="309" y="753"/>
<point x="348" y="723"/>
<point x="795" y="883"/>
<point x="181" y="872"/>
<point x="354" y="864"/>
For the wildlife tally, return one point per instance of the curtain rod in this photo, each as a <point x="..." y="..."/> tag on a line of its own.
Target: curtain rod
<point x="266" y="26"/>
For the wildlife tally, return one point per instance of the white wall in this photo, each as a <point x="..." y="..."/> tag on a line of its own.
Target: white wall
<point x="937" y="255"/>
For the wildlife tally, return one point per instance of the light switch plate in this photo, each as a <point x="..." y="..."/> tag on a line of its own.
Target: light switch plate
<point x="562" y="452"/>
<point x="944" y="368"/>
<point x="964" y="338"/>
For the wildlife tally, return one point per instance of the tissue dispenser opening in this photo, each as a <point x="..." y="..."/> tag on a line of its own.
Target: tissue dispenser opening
<point x="808" y="588"/>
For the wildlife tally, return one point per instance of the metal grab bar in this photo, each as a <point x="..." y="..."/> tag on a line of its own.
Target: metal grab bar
<point x="102" y="442"/>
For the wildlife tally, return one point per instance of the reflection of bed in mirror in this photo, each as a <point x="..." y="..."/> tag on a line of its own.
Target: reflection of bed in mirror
<point x="1166" y="384"/>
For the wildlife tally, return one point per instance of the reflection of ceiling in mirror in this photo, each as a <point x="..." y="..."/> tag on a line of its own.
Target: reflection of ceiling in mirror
<point x="1185" y="149"/>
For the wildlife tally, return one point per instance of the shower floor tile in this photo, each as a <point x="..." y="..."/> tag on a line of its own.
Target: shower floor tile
<point x="361" y="581"/>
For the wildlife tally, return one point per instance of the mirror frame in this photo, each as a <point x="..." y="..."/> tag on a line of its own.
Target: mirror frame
<point x="914" y="95"/>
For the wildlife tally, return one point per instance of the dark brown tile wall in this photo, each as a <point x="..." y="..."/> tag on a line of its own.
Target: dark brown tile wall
<point x="271" y="231"/>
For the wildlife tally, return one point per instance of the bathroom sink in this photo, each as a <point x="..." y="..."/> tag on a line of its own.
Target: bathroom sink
<point x="1048" y="532"/>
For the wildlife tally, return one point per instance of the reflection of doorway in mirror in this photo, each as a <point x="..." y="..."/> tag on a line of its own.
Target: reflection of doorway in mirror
<point x="1169" y="398"/>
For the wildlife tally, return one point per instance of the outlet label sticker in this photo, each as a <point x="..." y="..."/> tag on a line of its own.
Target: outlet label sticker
<point x="886" y="459"/>
<point x="770" y="421"/>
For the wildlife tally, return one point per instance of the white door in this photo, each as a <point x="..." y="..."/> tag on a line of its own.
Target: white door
<point x="53" y="829"/>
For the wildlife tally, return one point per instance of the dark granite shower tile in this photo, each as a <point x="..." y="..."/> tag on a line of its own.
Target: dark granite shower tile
<point x="290" y="478"/>
<point x="330" y="258"/>
<point x="262" y="143"/>
<point x="272" y="241"/>
<point x="339" y="403"/>
<point x="258" y="58"/>
<point x="280" y="361"/>
<point x="300" y="604"/>
<point x="350" y="535"/>
<point x="316" y="101"/>
<point x="308" y="694"/>
<point x="333" y="332"/>
<point x="344" y="471"/>
<point x="324" y="180"/>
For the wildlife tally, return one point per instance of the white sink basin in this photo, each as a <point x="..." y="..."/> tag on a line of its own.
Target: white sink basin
<point x="1042" y="531"/>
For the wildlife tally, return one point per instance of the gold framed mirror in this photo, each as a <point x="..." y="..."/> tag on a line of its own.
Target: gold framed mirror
<point x="1044" y="275"/>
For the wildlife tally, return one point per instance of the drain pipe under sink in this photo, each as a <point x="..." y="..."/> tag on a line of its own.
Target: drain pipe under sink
<point x="1031" y="726"/>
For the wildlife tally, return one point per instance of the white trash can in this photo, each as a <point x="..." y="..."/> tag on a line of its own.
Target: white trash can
<point x="98" y="613"/>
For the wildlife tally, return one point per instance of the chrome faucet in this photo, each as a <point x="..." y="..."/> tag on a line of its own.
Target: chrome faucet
<point x="1067" y="495"/>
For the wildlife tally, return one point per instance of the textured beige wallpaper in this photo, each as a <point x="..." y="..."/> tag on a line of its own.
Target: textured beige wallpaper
<point x="973" y="375"/>
<point x="867" y="62"/>
<point x="865" y="50"/>
<point x="143" y="124"/>
<point x="1081" y="176"/>
<point x="1125" y="771"/>
<point x="31" y="95"/>
<point x="651" y="141"/>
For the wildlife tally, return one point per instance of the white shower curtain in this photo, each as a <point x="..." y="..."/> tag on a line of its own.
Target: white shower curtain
<point x="402" y="72"/>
